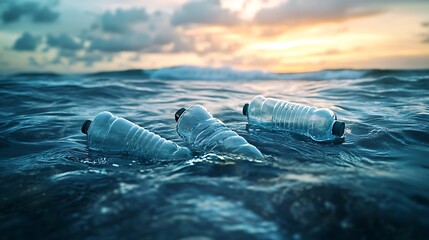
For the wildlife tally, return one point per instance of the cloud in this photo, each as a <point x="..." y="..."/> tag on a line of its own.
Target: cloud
<point x="45" y="15"/>
<point x="425" y="36"/>
<point x="135" y="58"/>
<point x="154" y="34"/>
<point x="38" y="13"/>
<point x="211" y="43"/>
<point x="33" y="62"/>
<point x="142" y="42"/>
<point x="4" y="63"/>
<point x="64" y="41"/>
<point x="70" y="57"/>
<point x="123" y="43"/>
<point x="297" y="12"/>
<point x="204" y="12"/>
<point x="4" y="2"/>
<point x="121" y="21"/>
<point x="26" y="42"/>
<point x="328" y="52"/>
<point x="87" y="59"/>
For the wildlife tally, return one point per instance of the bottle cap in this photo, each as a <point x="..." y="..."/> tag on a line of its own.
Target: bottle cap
<point x="85" y="126"/>
<point x="245" y="109"/>
<point x="338" y="128"/>
<point x="179" y="113"/>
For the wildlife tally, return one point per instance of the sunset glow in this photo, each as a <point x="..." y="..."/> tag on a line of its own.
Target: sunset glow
<point x="281" y="36"/>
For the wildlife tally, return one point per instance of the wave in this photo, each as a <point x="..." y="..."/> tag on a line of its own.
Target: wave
<point x="397" y="73"/>
<point x="207" y="73"/>
<point x="226" y="73"/>
<point x="131" y="73"/>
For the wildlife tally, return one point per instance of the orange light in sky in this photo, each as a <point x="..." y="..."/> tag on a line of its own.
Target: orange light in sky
<point x="371" y="34"/>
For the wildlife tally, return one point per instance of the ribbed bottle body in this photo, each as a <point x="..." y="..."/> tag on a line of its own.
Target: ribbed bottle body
<point x="275" y="114"/>
<point x="112" y="134"/>
<point x="205" y="133"/>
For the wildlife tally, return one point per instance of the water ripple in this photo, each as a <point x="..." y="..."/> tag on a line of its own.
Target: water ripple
<point x="371" y="185"/>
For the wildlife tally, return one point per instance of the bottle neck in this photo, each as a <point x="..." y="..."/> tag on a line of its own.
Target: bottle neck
<point x="338" y="128"/>
<point x="85" y="126"/>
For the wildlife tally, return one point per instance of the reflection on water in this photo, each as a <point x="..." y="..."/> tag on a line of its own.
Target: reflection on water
<point x="373" y="185"/>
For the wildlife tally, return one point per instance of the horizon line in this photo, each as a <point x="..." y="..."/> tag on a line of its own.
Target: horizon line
<point x="204" y="67"/>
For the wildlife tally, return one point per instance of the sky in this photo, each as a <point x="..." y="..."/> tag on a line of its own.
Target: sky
<point x="74" y="36"/>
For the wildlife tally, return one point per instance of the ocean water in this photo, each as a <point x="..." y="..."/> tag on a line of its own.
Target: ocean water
<point x="374" y="185"/>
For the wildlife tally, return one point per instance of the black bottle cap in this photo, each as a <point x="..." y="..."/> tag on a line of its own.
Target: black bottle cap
<point x="85" y="126"/>
<point x="338" y="128"/>
<point x="245" y="109"/>
<point x="179" y="113"/>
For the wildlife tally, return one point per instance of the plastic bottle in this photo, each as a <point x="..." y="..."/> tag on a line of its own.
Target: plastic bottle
<point x="112" y="134"/>
<point x="205" y="133"/>
<point x="318" y="123"/>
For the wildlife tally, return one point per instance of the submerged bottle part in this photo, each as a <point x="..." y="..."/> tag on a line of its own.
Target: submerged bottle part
<point x="318" y="123"/>
<point x="205" y="133"/>
<point x="108" y="133"/>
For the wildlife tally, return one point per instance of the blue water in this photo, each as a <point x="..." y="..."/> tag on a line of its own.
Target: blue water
<point x="374" y="185"/>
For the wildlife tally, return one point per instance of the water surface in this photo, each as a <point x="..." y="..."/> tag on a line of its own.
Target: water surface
<point x="372" y="186"/>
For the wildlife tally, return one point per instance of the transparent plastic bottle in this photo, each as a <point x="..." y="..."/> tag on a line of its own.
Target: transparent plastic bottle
<point x="205" y="133"/>
<point x="108" y="133"/>
<point x="318" y="123"/>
